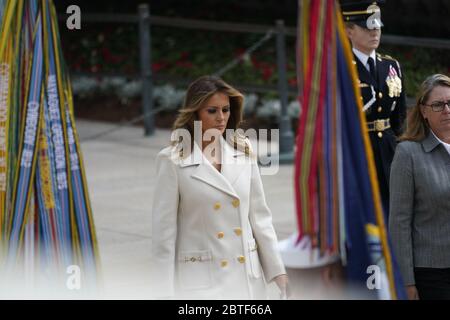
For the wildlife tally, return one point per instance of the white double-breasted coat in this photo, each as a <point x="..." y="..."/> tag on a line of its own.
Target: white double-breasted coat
<point x="213" y="236"/>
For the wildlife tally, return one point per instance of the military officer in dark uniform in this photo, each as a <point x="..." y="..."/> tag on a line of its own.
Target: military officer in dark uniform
<point x="381" y="85"/>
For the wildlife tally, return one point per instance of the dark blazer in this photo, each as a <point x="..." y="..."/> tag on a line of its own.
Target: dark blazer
<point x="419" y="221"/>
<point x="380" y="103"/>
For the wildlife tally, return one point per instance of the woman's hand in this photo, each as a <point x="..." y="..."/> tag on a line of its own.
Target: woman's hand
<point x="412" y="293"/>
<point x="282" y="282"/>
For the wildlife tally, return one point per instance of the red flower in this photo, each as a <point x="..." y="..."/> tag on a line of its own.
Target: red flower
<point x="292" y="81"/>
<point x="159" y="65"/>
<point x="266" y="72"/>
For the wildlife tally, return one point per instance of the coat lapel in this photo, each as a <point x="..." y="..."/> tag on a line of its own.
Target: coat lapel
<point x="233" y="162"/>
<point x="364" y="75"/>
<point x="206" y="173"/>
<point x="430" y="142"/>
<point x="383" y="71"/>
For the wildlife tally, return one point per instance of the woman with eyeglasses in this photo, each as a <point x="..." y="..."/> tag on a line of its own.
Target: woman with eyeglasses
<point x="419" y="221"/>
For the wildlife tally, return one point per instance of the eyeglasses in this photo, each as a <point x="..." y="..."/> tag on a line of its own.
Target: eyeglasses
<point x="438" y="106"/>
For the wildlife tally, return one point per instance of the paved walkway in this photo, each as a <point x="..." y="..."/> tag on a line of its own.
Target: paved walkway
<point x="120" y="167"/>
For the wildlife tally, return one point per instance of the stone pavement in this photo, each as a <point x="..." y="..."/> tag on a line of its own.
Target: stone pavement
<point x="120" y="167"/>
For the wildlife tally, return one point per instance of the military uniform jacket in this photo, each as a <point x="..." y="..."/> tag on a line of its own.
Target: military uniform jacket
<point x="383" y="98"/>
<point x="213" y="236"/>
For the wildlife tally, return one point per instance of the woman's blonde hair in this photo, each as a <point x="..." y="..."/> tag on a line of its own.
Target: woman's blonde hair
<point x="416" y="125"/>
<point x="198" y="93"/>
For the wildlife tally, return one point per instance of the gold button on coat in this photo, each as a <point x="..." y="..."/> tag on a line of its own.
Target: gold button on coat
<point x="238" y="231"/>
<point x="217" y="206"/>
<point x="223" y="263"/>
<point x="380" y="95"/>
<point x="380" y="109"/>
<point x="220" y="235"/>
<point x="380" y="134"/>
<point x="235" y="203"/>
<point x="241" y="259"/>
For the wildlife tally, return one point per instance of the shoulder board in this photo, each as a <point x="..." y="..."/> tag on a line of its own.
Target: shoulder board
<point x="387" y="57"/>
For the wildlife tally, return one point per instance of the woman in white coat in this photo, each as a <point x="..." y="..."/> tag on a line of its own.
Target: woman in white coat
<point x="213" y="236"/>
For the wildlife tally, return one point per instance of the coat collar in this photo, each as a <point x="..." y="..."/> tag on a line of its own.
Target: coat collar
<point x="364" y="57"/>
<point x="205" y="171"/>
<point x="383" y="71"/>
<point x="430" y="142"/>
<point x="194" y="158"/>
